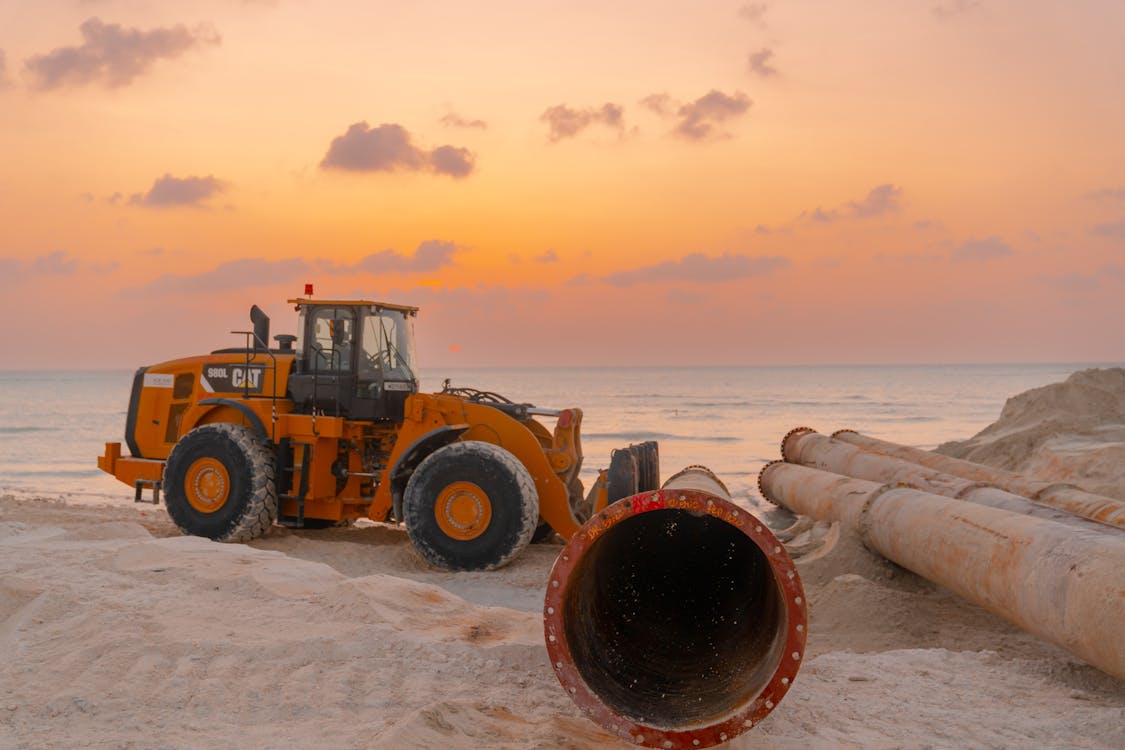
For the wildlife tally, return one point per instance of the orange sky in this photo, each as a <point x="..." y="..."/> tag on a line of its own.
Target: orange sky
<point x="570" y="182"/>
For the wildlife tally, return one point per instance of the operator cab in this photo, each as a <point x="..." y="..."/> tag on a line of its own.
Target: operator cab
<point x="355" y="359"/>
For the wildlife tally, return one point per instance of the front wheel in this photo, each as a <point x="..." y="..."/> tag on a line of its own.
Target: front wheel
<point x="470" y="506"/>
<point x="219" y="483"/>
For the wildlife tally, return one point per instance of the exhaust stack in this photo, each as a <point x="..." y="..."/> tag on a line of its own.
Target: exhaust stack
<point x="674" y="618"/>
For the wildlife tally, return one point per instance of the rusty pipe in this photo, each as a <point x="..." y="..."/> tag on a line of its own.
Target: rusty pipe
<point x="808" y="447"/>
<point x="1062" y="584"/>
<point x="674" y="618"/>
<point x="1057" y="494"/>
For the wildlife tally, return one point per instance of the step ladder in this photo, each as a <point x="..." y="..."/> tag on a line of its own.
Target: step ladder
<point x="285" y="481"/>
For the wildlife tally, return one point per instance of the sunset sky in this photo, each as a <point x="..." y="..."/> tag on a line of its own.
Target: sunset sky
<point x="572" y="182"/>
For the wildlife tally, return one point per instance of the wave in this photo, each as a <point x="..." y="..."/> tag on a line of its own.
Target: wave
<point x="640" y="436"/>
<point x="25" y="429"/>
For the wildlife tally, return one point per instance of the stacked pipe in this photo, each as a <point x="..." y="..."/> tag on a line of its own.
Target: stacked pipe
<point x="1060" y="495"/>
<point x="674" y="618"/>
<point x="1057" y="576"/>
<point x="808" y="447"/>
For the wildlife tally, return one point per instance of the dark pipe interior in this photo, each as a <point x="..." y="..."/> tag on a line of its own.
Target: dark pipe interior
<point x="674" y="618"/>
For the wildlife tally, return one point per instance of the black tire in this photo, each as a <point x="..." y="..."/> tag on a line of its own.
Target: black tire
<point x="244" y="501"/>
<point x="504" y="485"/>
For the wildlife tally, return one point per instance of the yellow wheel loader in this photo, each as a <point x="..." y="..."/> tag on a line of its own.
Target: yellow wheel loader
<point x="329" y="426"/>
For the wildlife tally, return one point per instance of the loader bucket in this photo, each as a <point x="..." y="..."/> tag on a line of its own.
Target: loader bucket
<point x="632" y="470"/>
<point x="674" y="618"/>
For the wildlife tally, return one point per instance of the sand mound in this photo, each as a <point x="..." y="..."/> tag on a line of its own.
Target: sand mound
<point x="480" y="724"/>
<point x="422" y="612"/>
<point x="1072" y="431"/>
<point x="213" y="561"/>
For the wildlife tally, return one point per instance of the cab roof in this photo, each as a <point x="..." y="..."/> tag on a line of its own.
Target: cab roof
<point x="352" y="303"/>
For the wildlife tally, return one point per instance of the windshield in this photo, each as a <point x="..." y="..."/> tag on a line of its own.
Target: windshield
<point x="388" y="345"/>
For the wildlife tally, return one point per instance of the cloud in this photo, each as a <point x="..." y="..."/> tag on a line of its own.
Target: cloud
<point x="1114" y="230"/>
<point x="453" y="161"/>
<point x="951" y="8"/>
<point x="981" y="250"/>
<point x="1085" y="282"/>
<point x="251" y="272"/>
<point x="880" y="200"/>
<point x="754" y="13"/>
<point x="233" y="274"/>
<point x="700" y="120"/>
<point x="4" y="82"/>
<point x="169" y="192"/>
<point x="565" y="122"/>
<point x="454" y="120"/>
<point x="908" y="259"/>
<point x="550" y="256"/>
<point x="58" y="263"/>
<point x="1073" y="282"/>
<point x="429" y="256"/>
<point x="759" y="63"/>
<point x="699" y="268"/>
<point x="661" y="104"/>
<point x="390" y="148"/>
<point x="1113" y="194"/>
<point x="113" y="55"/>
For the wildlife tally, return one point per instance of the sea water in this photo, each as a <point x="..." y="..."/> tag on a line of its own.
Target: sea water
<point x="53" y="424"/>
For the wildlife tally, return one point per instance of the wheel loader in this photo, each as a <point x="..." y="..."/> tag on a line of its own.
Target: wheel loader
<point x="328" y="426"/>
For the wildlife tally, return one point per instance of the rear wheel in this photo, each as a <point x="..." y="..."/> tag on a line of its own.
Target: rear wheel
<point x="470" y="506"/>
<point x="219" y="483"/>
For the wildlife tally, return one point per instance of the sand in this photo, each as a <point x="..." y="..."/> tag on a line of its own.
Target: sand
<point x="117" y="632"/>
<point x="1072" y="431"/>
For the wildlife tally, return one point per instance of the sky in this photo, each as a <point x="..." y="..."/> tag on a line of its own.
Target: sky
<point x="568" y="182"/>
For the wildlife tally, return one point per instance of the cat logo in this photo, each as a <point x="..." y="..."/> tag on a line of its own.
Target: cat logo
<point x="232" y="378"/>
<point x="241" y="377"/>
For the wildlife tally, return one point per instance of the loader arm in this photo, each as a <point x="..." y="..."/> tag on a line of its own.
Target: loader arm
<point x="550" y="467"/>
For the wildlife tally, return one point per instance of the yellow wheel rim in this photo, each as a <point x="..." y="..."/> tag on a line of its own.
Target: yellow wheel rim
<point x="207" y="485"/>
<point x="463" y="510"/>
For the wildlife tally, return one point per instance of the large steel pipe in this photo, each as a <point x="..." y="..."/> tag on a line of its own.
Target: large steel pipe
<point x="674" y="618"/>
<point x="808" y="447"/>
<point x="1057" y="494"/>
<point x="1062" y="584"/>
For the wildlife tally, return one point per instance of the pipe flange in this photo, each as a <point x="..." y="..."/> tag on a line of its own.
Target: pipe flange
<point x="699" y="467"/>
<point x="862" y="527"/>
<point x="762" y="487"/>
<point x="791" y="433"/>
<point x="960" y="494"/>
<point x="846" y="429"/>
<point x="570" y="568"/>
<point x="1046" y="491"/>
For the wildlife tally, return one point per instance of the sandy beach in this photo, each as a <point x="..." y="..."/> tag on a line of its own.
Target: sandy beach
<point x="118" y="632"/>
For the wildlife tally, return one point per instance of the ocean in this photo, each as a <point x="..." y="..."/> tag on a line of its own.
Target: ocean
<point x="53" y="424"/>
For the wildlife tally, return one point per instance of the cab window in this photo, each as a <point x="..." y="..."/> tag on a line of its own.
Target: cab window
<point x="331" y="340"/>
